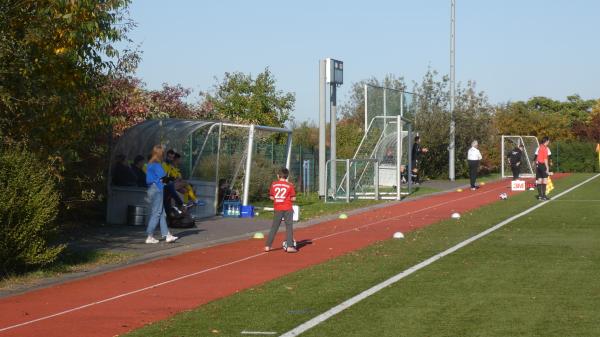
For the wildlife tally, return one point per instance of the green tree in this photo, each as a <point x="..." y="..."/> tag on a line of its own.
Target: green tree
<point x="305" y="134"/>
<point x="473" y="117"/>
<point x="241" y="98"/>
<point x="353" y="111"/>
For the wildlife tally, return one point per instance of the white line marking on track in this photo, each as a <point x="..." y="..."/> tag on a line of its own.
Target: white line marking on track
<point x="352" y="301"/>
<point x="229" y="264"/>
<point x="129" y="293"/>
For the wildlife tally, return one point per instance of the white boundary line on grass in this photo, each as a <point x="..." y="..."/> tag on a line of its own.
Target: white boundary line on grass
<point x="579" y="200"/>
<point x="156" y="285"/>
<point x="354" y="300"/>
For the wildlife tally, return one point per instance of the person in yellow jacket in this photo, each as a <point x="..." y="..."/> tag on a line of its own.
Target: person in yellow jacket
<point x="181" y="185"/>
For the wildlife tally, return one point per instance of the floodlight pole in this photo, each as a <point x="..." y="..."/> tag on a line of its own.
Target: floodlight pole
<point x="451" y="148"/>
<point x="332" y="145"/>
<point x="398" y="155"/>
<point x="248" y="165"/>
<point x="322" y="125"/>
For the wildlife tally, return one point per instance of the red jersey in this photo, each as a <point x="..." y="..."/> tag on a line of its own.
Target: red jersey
<point x="282" y="192"/>
<point x="542" y="153"/>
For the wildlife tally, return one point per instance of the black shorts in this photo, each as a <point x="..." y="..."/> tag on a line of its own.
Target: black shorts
<point x="540" y="171"/>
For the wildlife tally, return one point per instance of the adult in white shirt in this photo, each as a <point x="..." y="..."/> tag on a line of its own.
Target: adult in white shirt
<point x="473" y="157"/>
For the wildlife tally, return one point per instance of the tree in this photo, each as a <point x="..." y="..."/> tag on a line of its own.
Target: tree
<point x="589" y="129"/>
<point x="241" y="98"/>
<point x="305" y="134"/>
<point x="541" y="116"/>
<point x="54" y="56"/>
<point x="473" y="117"/>
<point x="353" y="111"/>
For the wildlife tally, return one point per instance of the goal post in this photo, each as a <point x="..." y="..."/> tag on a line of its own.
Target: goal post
<point x="530" y="144"/>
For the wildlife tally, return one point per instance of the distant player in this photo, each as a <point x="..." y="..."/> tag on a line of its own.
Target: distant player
<point x="473" y="159"/>
<point x="282" y="193"/>
<point x="515" y="157"/>
<point x="417" y="151"/>
<point x="542" y="167"/>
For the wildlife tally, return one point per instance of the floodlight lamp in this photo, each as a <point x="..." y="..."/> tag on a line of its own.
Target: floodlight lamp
<point x="334" y="71"/>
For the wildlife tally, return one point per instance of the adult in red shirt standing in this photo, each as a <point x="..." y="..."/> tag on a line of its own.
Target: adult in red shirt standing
<point x="282" y="193"/>
<point x="542" y="167"/>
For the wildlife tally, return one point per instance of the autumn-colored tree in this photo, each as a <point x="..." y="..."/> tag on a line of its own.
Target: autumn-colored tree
<point x="541" y="116"/>
<point x="130" y="102"/>
<point x="54" y="55"/>
<point x="589" y="129"/>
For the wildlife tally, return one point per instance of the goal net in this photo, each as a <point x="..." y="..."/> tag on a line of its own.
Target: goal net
<point x="530" y="144"/>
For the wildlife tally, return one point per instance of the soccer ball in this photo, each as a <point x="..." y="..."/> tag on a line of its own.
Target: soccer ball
<point x="284" y="244"/>
<point x="503" y="196"/>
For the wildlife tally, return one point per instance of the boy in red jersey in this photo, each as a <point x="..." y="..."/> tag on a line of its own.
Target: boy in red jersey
<point x="282" y="193"/>
<point x="542" y="167"/>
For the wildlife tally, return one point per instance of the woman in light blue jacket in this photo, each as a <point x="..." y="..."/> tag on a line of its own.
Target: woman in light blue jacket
<point x="154" y="179"/>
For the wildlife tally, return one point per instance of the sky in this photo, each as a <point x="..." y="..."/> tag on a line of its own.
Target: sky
<point x="512" y="49"/>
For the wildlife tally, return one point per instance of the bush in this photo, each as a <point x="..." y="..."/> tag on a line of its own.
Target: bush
<point x="29" y="200"/>
<point x="574" y="156"/>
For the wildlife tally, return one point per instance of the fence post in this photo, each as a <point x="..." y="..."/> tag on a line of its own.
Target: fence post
<point x="376" y="165"/>
<point x="347" y="180"/>
<point x="557" y="161"/>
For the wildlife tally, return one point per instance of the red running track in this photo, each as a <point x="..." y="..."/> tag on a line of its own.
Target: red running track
<point x="120" y="301"/>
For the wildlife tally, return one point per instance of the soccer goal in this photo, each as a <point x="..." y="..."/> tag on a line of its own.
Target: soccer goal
<point x="530" y="144"/>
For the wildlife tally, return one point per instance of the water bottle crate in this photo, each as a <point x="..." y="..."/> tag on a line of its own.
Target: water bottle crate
<point x="232" y="208"/>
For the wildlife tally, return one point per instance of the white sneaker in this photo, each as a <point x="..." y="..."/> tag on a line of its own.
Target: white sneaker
<point x="171" y="238"/>
<point x="151" y="239"/>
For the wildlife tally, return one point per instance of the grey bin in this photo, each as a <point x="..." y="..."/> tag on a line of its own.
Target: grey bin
<point x="136" y="215"/>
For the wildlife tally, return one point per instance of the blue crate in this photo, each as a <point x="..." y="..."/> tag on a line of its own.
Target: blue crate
<point x="247" y="211"/>
<point x="232" y="208"/>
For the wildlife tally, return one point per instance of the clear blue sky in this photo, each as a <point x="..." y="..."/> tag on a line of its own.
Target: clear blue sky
<point x="512" y="49"/>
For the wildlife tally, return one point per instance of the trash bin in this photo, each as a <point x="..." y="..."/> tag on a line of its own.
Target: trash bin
<point x="136" y="215"/>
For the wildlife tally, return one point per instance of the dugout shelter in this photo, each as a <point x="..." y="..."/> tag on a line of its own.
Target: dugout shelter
<point x="243" y="157"/>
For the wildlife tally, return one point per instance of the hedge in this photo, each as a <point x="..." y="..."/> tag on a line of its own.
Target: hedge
<point x="29" y="199"/>
<point x="574" y="156"/>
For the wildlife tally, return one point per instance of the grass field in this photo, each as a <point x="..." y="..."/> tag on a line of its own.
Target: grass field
<point x="537" y="276"/>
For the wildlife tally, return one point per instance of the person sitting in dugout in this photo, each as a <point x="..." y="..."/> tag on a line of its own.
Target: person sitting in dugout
<point x="181" y="185"/>
<point x="122" y="175"/>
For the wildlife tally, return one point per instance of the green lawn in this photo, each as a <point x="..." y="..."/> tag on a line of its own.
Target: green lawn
<point x="537" y="276"/>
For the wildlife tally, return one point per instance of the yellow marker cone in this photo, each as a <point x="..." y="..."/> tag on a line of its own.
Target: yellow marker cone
<point x="343" y="216"/>
<point x="459" y="190"/>
<point x="258" y="235"/>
